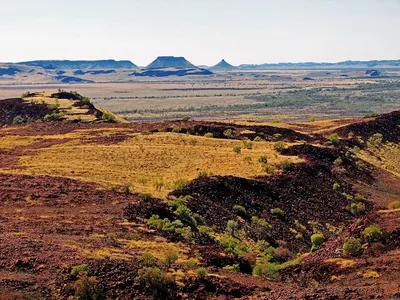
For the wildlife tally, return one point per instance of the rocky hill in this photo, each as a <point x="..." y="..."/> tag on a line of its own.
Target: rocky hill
<point x="222" y="66"/>
<point x="163" y="62"/>
<point x="193" y="209"/>
<point x="57" y="107"/>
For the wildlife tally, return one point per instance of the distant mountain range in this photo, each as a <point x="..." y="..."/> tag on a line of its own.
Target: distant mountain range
<point x="80" y="64"/>
<point x="86" y="71"/>
<point x="163" y="62"/>
<point x="325" y="65"/>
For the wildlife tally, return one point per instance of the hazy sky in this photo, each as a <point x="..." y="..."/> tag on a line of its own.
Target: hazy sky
<point x="204" y="31"/>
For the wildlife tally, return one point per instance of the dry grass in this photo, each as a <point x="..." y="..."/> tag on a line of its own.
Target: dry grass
<point x="342" y="262"/>
<point x="143" y="161"/>
<point x="388" y="158"/>
<point x="12" y="141"/>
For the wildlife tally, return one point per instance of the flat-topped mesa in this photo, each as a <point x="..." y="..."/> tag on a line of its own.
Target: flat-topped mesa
<point x="163" y="62"/>
<point x="80" y="64"/>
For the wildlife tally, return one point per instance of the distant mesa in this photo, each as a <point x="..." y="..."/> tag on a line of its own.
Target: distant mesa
<point x="171" y="72"/>
<point x="71" y="79"/>
<point x="94" y="72"/>
<point x="373" y="73"/>
<point x="80" y="64"/>
<point x="10" y="71"/>
<point x="223" y="66"/>
<point x="165" y="66"/>
<point x="164" y="62"/>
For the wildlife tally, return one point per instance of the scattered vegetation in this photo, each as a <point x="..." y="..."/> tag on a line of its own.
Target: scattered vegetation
<point x="372" y="233"/>
<point x="352" y="246"/>
<point x="317" y="240"/>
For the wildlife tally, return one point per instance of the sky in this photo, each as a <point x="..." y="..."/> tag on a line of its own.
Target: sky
<point x="203" y="31"/>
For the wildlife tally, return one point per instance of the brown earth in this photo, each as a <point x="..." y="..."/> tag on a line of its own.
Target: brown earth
<point x="50" y="224"/>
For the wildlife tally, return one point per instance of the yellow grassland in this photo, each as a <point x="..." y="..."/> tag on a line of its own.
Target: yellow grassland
<point x="142" y="161"/>
<point x="386" y="157"/>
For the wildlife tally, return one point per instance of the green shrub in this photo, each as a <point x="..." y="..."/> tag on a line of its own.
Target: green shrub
<point x="205" y="230"/>
<point x="356" y="208"/>
<point x="277" y="211"/>
<point x="233" y="245"/>
<point x="336" y="186"/>
<point x="209" y="135"/>
<point x="191" y="263"/>
<point x="156" y="278"/>
<point x="231" y="227"/>
<point x="317" y="240"/>
<point x="108" y="117"/>
<point x="180" y="184"/>
<point x="170" y="257"/>
<point x="263" y="159"/>
<point x="247" y="159"/>
<point x="163" y="224"/>
<point x="237" y="149"/>
<point x="261" y="222"/>
<point x="148" y="260"/>
<point x="52" y="117"/>
<point x="370" y="115"/>
<point x="86" y="288"/>
<point x="247" y="145"/>
<point x="18" y="120"/>
<point x="338" y="162"/>
<point x="183" y="212"/>
<point x="258" y="139"/>
<point x="372" y="233"/>
<point x="279" y="146"/>
<point x="334" y="139"/>
<point x="266" y="270"/>
<point x="359" y="198"/>
<point x="287" y="165"/>
<point x="228" y="132"/>
<point x="176" y="129"/>
<point x="352" y="246"/>
<point x="201" y="273"/>
<point x="394" y="205"/>
<point x="269" y="169"/>
<point x="240" y="210"/>
<point x="175" y="203"/>
<point x="375" y="141"/>
<point x="76" y="270"/>
<point x="232" y="268"/>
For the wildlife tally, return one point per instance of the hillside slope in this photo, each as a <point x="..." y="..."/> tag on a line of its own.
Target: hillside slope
<point x="197" y="210"/>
